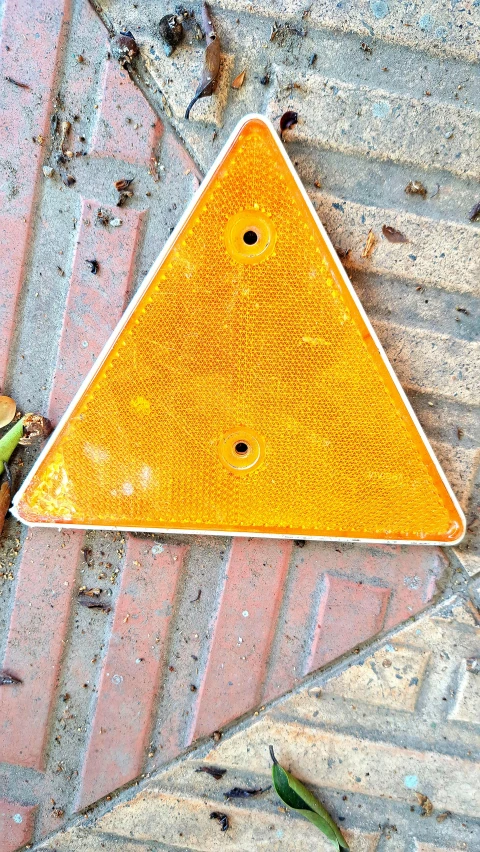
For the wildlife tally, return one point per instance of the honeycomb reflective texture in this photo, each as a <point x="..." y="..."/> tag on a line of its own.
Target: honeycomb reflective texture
<point x="276" y="346"/>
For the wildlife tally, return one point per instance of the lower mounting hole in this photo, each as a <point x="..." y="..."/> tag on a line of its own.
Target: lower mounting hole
<point x="250" y="238"/>
<point x="241" y="447"/>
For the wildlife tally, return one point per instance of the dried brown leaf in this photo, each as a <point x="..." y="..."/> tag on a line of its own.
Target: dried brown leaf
<point x="239" y="80"/>
<point x="34" y="426"/>
<point x="124" y="183"/>
<point x="4" y="502"/>
<point x="425" y="804"/>
<point x="211" y="67"/>
<point x="369" y="244"/>
<point x="415" y="187"/>
<point x="392" y="235"/>
<point x="8" y="408"/>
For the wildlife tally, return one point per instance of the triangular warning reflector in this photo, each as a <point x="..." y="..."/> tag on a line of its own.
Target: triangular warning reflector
<point x="244" y="390"/>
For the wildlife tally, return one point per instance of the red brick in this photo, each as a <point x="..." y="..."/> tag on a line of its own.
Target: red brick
<point x="34" y="36"/>
<point x="126" y="127"/>
<point x="130" y="677"/>
<point x="35" y="643"/>
<point x="348" y="613"/>
<point x="16" y="825"/>
<point x="409" y="573"/>
<point x="244" y="631"/>
<point x="95" y="302"/>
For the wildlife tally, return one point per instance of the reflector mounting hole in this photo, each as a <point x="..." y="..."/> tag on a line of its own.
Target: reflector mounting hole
<point x="250" y="238"/>
<point x="241" y="448"/>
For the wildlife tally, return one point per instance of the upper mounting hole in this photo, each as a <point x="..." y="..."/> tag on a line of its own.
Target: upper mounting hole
<point x="241" y="447"/>
<point x="250" y="238"/>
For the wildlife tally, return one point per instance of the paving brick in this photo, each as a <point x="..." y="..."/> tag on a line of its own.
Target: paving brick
<point x="366" y="606"/>
<point x="405" y="579"/>
<point x="355" y="120"/>
<point x="131" y="669"/>
<point x="31" y="42"/>
<point x="467" y="702"/>
<point x="358" y="757"/>
<point x="126" y="126"/>
<point x="16" y="825"/>
<point x="35" y="643"/>
<point x="178" y="79"/>
<point x="94" y="302"/>
<point x="179" y="820"/>
<point x="442" y="254"/>
<point x="373" y="768"/>
<point x="432" y="27"/>
<point x="243" y="632"/>
<point x="385" y="679"/>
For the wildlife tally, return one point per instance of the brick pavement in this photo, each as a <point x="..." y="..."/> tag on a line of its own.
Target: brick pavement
<point x="367" y="738"/>
<point x="90" y="718"/>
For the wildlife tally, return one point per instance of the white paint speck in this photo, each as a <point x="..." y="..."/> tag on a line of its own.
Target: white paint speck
<point x="157" y="548"/>
<point x="117" y="679"/>
<point x="17" y="818"/>
<point x="84" y="344"/>
<point x="245" y="613"/>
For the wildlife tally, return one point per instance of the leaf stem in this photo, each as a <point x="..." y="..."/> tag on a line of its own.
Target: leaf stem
<point x="272" y="755"/>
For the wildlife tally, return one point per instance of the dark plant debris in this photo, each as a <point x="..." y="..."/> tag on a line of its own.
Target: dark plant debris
<point x="242" y="793"/>
<point x="264" y="81"/>
<point x="222" y="818"/>
<point x="93" y="603"/>
<point x="7" y="679"/>
<point x="211" y="67"/>
<point x="289" y="119"/>
<point x="213" y="771"/>
<point x="69" y="180"/>
<point x="474" y="213"/>
<point x="312" y="59"/>
<point x="392" y="235"/>
<point x="93" y="266"/>
<point x="462" y="311"/>
<point x="195" y="600"/>
<point x="300" y="542"/>
<point x="416" y="187"/>
<point x="17" y="83"/>
<point x="217" y="736"/>
<point x="365" y="47"/>
<point x="171" y="32"/>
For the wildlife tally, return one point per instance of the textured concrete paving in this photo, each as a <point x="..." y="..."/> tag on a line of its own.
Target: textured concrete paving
<point x="89" y="718"/>
<point x="371" y="738"/>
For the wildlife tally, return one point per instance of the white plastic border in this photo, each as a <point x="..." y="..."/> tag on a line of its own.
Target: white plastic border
<point x="131" y="308"/>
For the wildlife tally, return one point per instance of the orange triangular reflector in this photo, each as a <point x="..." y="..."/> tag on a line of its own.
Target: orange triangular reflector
<point x="244" y="390"/>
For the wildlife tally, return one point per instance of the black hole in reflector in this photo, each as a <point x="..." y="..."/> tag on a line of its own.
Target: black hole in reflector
<point x="250" y="238"/>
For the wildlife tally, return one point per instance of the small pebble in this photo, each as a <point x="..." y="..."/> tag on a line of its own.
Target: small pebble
<point x="48" y="171"/>
<point x="115" y="223"/>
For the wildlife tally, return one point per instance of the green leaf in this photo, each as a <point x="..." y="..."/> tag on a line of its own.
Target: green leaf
<point x="295" y="795"/>
<point x="9" y="442"/>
